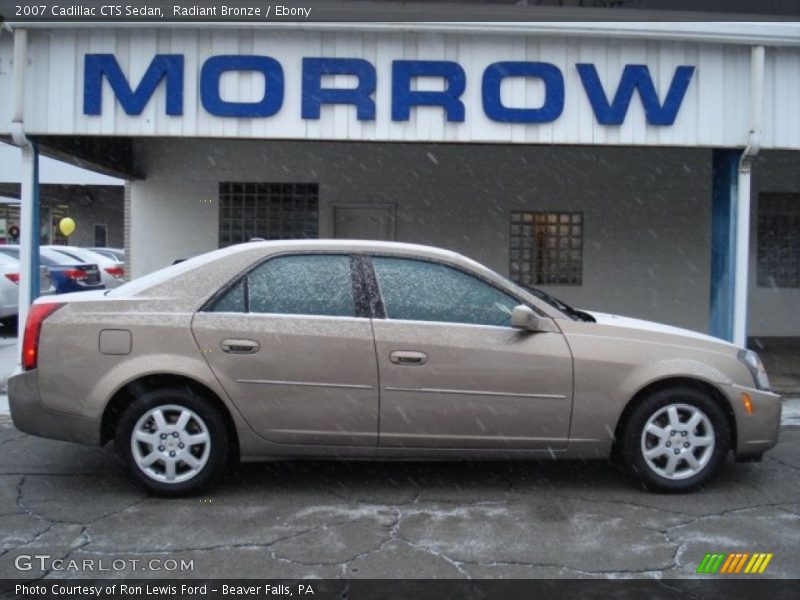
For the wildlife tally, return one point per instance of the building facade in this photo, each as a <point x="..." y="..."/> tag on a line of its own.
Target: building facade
<point x="94" y="201"/>
<point x="616" y="166"/>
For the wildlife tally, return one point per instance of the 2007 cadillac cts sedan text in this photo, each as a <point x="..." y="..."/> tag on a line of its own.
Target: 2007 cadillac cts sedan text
<point x="348" y="349"/>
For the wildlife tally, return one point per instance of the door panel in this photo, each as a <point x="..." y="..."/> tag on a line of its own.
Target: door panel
<point x="297" y="379"/>
<point x="476" y="387"/>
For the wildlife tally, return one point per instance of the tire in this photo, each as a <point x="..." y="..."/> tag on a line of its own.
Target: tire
<point x="190" y="434"/>
<point x="680" y="461"/>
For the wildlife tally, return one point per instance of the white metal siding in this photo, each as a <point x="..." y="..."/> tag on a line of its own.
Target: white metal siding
<point x="714" y="112"/>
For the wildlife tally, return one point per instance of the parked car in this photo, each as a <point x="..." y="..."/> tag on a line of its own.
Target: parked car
<point x="112" y="271"/>
<point x="115" y="253"/>
<point x="9" y="289"/>
<point x="318" y="348"/>
<point x="68" y="274"/>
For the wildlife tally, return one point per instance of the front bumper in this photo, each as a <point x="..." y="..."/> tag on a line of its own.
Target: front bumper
<point x="30" y="415"/>
<point x="758" y="432"/>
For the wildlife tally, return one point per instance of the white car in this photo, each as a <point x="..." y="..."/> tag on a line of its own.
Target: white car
<point x="112" y="271"/>
<point x="116" y="253"/>
<point x="9" y="289"/>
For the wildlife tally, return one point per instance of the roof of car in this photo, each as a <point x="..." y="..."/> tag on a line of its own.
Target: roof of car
<point x="239" y="256"/>
<point x="356" y="246"/>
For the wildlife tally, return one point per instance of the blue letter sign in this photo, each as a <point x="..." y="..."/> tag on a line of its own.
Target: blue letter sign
<point x="314" y="95"/>
<point x="553" y="92"/>
<point x="212" y="71"/>
<point x="132" y="102"/>
<point x="635" y="77"/>
<point x="403" y="97"/>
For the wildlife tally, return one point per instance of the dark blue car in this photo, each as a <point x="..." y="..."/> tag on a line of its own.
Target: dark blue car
<point x="67" y="274"/>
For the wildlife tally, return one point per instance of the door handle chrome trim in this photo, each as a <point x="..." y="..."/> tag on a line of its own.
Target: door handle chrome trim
<point x="474" y="393"/>
<point x="240" y="346"/>
<point x="408" y="357"/>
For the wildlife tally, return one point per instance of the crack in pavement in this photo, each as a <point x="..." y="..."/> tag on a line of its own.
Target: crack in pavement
<point x="376" y="523"/>
<point x="784" y="463"/>
<point x="14" y="439"/>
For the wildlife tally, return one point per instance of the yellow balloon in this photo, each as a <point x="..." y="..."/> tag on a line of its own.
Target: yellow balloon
<point x="66" y="226"/>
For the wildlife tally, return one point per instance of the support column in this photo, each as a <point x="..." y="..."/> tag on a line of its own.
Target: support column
<point x="725" y="196"/>
<point x="730" y="245"/>
<point x="742" y="261"/>
<point x="29" y="233"/>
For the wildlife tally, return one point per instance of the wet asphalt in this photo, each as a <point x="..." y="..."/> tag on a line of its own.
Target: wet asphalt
<point x="388" y="519"/>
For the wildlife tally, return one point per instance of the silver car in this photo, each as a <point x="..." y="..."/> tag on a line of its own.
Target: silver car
<point x="9" y="289"/>
<point x="352" y="349"/>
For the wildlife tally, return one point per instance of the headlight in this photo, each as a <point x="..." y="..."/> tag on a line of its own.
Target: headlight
<point x="756" y="367"/>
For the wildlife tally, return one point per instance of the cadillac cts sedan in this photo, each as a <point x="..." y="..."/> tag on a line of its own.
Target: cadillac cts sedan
<point x="292" y="349"/>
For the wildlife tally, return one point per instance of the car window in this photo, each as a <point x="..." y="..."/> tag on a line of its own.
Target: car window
<point x="233" y="300"/>
<point x="71" y="255"/>
<point x="307" y="284"/>
<point x="418" y="290"/>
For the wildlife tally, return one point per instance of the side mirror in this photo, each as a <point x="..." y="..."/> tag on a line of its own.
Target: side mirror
<point x="523" y="317"/>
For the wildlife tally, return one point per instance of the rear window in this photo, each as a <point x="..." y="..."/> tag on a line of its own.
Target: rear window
<point x="52" y="258"/>
<point x="44" y="258"/>
<point x="162" y="275"/>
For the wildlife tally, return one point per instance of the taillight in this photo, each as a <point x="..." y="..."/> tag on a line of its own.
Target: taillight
<point x="33" y="328"/>
<point x="118" y="272"/>
<point x="14" y="277"/>
<point x="76" y="274"/>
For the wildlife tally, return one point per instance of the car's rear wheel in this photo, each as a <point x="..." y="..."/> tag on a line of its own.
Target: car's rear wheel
<point x="173" y="441"/>
<point x="675" y="440"/>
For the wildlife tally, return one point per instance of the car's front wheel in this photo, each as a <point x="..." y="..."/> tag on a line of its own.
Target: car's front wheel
<point x="173" y="441"/>
<point x="675" y="440"/>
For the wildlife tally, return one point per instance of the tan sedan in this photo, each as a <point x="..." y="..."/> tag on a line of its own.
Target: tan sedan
<point x="349" y="349"/>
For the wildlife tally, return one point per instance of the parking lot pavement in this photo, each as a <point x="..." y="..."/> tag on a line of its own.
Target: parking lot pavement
<point x="8" y="361"/>
<point x="394" y="520"/>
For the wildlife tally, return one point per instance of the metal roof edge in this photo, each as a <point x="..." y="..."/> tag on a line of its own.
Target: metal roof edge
<point x="742" y="33"/>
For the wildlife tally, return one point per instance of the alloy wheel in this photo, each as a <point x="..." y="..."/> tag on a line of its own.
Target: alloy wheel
<point x="170" y="443"/>
<point x="678" y="441"/>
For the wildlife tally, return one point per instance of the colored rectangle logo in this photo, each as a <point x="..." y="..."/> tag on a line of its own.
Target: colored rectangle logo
<point x="734" y="563"/>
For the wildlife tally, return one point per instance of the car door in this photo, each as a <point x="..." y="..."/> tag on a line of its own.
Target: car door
<point x="454" y="374"/>
<point x="288" y="345"/>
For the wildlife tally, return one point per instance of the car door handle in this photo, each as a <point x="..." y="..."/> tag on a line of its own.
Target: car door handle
<point x="240" y="346"/>
<point x="408" y="357"/>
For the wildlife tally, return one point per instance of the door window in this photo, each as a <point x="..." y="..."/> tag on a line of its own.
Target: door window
<point x="307" y="284"/>
<point x="418" y="290"/>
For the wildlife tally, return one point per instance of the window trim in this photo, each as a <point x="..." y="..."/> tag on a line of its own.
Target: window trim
<point x="365" y="283"/>
<point x="453" y="266"/>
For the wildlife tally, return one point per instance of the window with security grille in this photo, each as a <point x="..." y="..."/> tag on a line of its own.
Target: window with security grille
<point x="273" y="211"/>
<point x="778" y="244"/>
<point x="546" y="248"/>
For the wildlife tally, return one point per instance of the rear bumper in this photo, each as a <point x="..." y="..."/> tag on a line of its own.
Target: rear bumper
<point x="758" y="432"/>
<point x="30" y="415"/>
